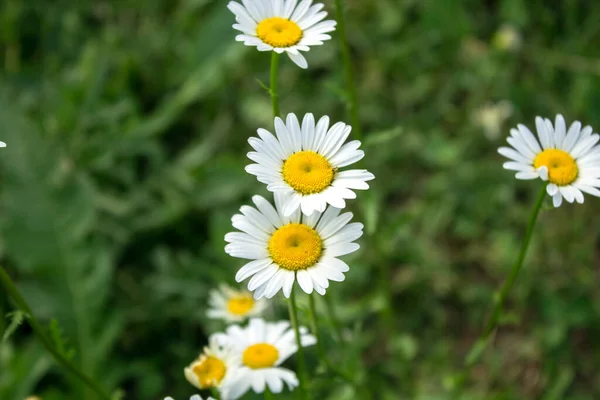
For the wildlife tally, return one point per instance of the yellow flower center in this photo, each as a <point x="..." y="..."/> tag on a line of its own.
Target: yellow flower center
<point x="295" y="246"/>
<point x="279" y="32"/>
<point x="261" y="355"/>
<point x="240" y="305"/>
<point x="308" y="172"/>
<point x="209" y="371"/>
<point x="562" y="168"/>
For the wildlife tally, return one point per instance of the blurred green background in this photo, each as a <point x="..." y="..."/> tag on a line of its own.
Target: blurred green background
<point x="126" y="123"/>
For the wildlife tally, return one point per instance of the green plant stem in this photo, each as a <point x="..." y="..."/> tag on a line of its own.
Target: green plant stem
<point x="333" y="319"/>
<point x="268" y="394"/>
<point x="273" y="84"/>
<point x="13" y="292"/>
<point x="215" y="393"/>
<point x="301" y="363"/>
<point x="348" y="73"/>
<point x="476" y="351"/>
<point x="323" y="355"/>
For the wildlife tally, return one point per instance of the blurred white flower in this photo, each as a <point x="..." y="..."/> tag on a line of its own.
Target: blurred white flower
<point x="288" y="249"/>
<point x="214" y="367"/>
<point x="491" y="118"/>
<point x="507" y="38"/>
<point x="568" y="160"/>
<point x="194" y="397"/>
<point x="263" y="347"/>
<point x="2" y="144"/>
<point x="304" y="161"/>
<point x="282" y="26"/>
<point x="233" y="305"/>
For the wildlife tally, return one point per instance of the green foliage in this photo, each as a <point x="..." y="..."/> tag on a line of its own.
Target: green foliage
<point x="127" y="124"/>
<point x="16" y="319"/>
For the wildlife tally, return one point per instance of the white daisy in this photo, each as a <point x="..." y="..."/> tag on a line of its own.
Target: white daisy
<point x="263" y="347"/>
<point x="304" y="161"/>
<point x="568" y="159"/>
<point x="282" y="25"/>
<point x="194" y="397"/>
<point x="286" y="249"/>
<point x="216" y="365"/>
<point x="233" y="305"/>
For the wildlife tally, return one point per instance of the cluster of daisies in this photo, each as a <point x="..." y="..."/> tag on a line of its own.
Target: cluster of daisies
<point x="300" y="236"/>
<point x="297" y="237"/>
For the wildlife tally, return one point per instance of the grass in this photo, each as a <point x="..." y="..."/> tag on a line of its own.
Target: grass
<point x="126" y="125"/>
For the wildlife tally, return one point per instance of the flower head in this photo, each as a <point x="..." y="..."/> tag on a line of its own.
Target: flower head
<point x="568" y="160"/>
<point x="233" y="305"/>
<point x="286" y="249"/>
<point x="214" y="367"/>
<point x="281" y="26"/>
<point x="263" y="347"/>
<point x="305" y="160"/>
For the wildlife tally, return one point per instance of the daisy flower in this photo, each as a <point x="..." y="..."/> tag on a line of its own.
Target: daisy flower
<point x="233" y="305"/>
<point x="214" y="367"/>
<point x="568" y="160"/>
<point x="263" y="346"/>
<point x="304" y="161"/>
<point x="285" y="249"/>
<point x="194" y="397"/>
<point x="281" y="26"/>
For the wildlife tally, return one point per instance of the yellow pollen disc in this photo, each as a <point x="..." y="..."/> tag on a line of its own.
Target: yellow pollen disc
<point x="279" y="32"/>
<point x="562" y="168"/>
<point x="308" y="172"/>
<point x="261" y="355"/>
<point x="209" y="371"/>
<point x="295" y="246"/>
<point x="240" y="305"/>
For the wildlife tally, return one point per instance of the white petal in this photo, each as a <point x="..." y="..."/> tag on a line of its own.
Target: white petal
<point x="298" y="59"/>
<point x="557" y="200"/>
<point x="304" y="281"/>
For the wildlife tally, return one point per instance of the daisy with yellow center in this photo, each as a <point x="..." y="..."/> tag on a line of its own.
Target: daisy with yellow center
<point x="233" y="305"/>
<point x="285" y="249"/>
<point x="304" y="160"/>
<point x="282" y="26"/>
<point x="217" y="364"/>
<point x="263" y="347"/>
<point x="569" y="160"/>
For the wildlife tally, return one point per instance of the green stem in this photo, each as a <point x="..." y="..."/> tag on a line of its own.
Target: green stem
<point x="348" y="73"/>
<point x="333" y="319"/>
<point x="301" y="363"/>
<point x="474" y="355"/>
<point x="268" y="394"/>
<point x="39" y="332"/>
<point x="273" y="85"/>
<point x="215" y="393"/>
<point x="323" y="355"/>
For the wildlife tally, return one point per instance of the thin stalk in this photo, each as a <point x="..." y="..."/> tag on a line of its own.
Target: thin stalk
<point x="301" y="363"/>
<point x="13" y="292"/>
<point x="476" y="351"/>
<point x="348" y="73"/>
<point x="323" y="355"/>
<point x="268" y="394"/>
<point x="273" y="85"/>
<point x="333" y="319"/>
